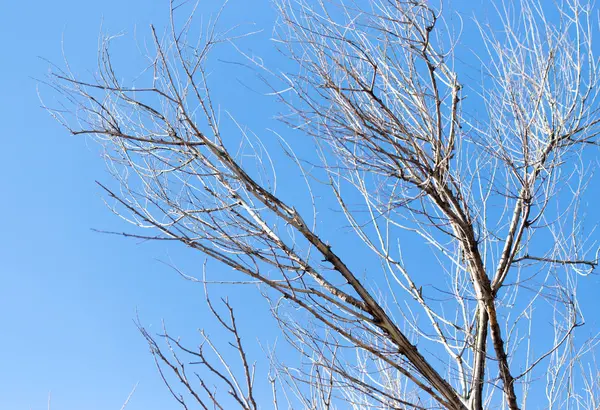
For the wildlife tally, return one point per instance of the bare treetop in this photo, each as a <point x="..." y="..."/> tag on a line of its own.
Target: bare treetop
<point x="485" y="174"/>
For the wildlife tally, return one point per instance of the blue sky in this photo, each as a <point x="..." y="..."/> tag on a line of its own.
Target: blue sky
<point x="68" y="295"/>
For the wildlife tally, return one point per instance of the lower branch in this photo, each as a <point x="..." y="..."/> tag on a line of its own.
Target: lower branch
<point x="498" y="343"/>
<point x="476" y="394"/>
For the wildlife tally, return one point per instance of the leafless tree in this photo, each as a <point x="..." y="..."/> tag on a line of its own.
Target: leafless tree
<point x="487" y="174"/>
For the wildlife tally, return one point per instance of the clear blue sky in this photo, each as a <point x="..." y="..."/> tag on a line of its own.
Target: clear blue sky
<point x="68" y="295"/>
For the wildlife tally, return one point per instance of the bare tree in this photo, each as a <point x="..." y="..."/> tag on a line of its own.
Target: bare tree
<point x="490" y="185"/>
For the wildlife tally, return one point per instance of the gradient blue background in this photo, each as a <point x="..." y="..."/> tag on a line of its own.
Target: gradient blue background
<point x="68" y="295"/>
